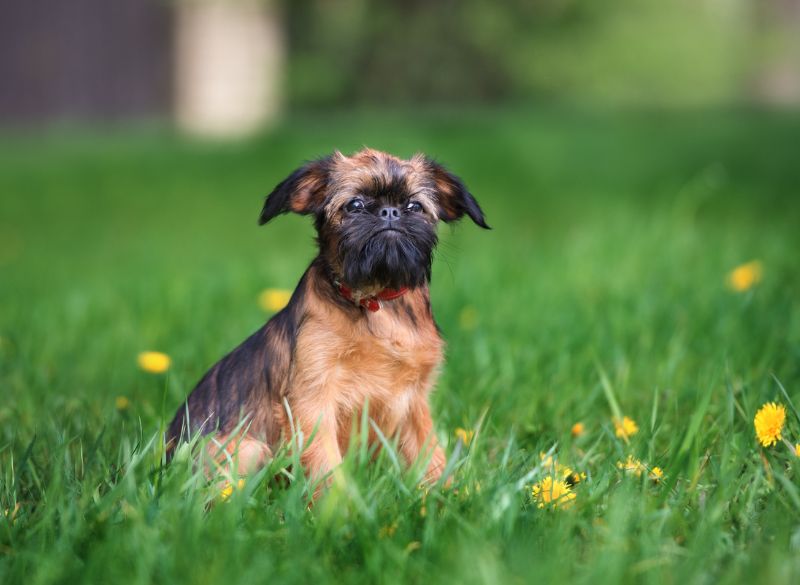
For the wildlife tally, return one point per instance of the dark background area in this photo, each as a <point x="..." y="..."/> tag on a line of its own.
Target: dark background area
<point x="92" y="60"/>
<point x="89" y="60"/>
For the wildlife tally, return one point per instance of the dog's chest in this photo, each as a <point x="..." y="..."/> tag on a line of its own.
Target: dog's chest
<point x="383" y="358"/>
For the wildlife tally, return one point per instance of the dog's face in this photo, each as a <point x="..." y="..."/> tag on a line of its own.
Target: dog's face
<point x="376" y="215"/>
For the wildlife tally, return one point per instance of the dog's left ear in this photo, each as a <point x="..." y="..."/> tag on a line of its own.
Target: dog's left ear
<point x="302" y="192"/>
<point x="453" y="197"/>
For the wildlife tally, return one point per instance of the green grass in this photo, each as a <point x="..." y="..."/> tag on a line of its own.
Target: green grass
<point x="613" y="234"/>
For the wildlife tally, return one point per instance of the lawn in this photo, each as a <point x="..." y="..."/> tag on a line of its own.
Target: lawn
<point x="601" y="291"/>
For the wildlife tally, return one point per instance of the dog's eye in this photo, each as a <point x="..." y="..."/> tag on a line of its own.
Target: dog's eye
<point x="414" y="207"/>
<point x="354" y="205"/>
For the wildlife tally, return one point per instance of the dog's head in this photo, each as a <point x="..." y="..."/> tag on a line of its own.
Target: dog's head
<point x="376" y="215"/>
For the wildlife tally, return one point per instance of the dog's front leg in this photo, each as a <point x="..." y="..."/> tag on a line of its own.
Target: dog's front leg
<point x="321" y="454"/>
<point x="418" y="440"/>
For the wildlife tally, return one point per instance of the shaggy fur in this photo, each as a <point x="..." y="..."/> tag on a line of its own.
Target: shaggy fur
<point x="324" y="355"/>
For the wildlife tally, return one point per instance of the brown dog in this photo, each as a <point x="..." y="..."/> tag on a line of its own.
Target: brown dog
<point x="358" y="327"/>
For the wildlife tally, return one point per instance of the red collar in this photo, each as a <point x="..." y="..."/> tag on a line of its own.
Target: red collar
<point x="372" y="303"/>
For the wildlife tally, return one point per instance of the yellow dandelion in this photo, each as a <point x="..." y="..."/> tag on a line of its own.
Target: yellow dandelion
<point x="625" y="428"/>
<point x="468" y="318"/>
<point x="631" y="466"/>
<point x="552" y="464"/>
<point x="563" y="472"/>
<point x="553" y="492"/>
<point x="464" y="436"/>
<point x="577" y="429"/>
<point x="227" y="491"/>
<point x="745" y="276"/>
<point x="11" y="513"/>
<point x="274" y="299"/>
<point x="656" y="474"/>
<point x="154" y="362"/>
<point x="769" y="423"/>
<point x="797" y="450"/>
<point x="423" y="509"/>
<point x="122" y="403"/>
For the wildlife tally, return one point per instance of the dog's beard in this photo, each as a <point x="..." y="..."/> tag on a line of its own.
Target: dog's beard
<point x="371" y="256"/>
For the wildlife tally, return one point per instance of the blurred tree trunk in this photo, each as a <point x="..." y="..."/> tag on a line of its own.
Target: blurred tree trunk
<point x="229" y="63"/>
<point x="777" y="76"/>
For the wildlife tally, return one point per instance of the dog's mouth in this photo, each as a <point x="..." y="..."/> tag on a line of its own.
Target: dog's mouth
<point x="384" y="230"/>
<point x="389" y="253"/>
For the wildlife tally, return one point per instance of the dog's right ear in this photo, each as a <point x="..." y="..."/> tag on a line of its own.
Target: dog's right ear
<point x="302" y="192"/>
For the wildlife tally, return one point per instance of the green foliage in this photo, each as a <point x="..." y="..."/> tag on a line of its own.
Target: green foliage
<point x="603" y="281"/>
<point x="468" y="51"/>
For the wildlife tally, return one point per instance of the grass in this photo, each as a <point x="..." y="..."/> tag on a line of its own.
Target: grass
<point x="601" y="284"/>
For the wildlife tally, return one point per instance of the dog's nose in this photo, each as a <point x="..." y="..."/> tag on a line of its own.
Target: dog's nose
<point x="389" y="213"/>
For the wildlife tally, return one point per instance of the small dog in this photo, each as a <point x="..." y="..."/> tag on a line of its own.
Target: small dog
<point x="358" y="328"/>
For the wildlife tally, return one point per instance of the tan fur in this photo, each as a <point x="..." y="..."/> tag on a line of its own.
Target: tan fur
<point x="246" y="453"/>
<point x="351" y="175"/>
<point x="341" y="364"/>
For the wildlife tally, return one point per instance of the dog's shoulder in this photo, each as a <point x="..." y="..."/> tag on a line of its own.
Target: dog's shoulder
<point x="248" y="381"/>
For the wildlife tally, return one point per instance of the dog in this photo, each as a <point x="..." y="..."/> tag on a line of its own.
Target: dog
<point x="357" y="331"/>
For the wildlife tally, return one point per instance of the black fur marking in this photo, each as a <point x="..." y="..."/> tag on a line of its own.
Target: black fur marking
<point x="295" y="187"/>
<point x="248" y="374"/>
<point x="325" y="288"/>
<point x="395" y="190"/>
<point x="394" y="259"/>
<point x="410" y="313"/>
<point x="454" y="198"/>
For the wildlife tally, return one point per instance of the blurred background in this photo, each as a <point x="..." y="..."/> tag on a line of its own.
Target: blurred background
<point x="233" y="67"/>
